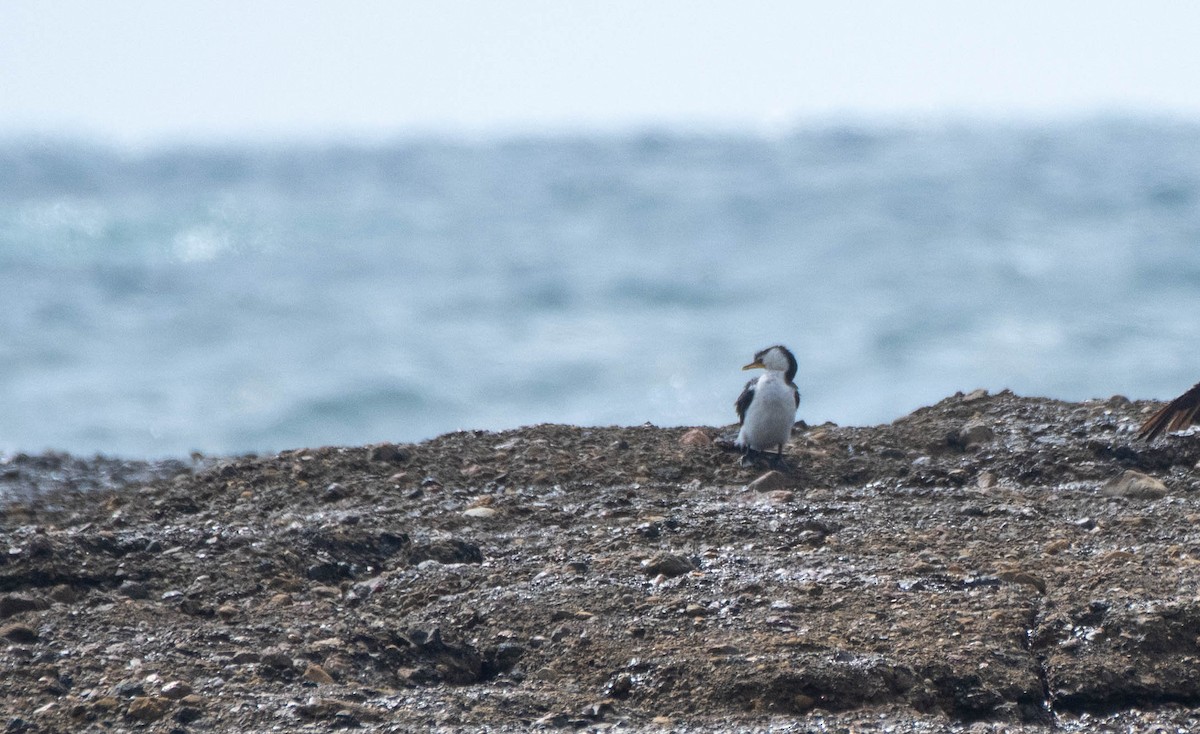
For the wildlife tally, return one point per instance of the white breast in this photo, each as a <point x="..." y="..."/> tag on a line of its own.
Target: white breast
<point x="769" y="418"/>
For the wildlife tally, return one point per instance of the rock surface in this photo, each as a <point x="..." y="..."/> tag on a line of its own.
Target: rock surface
<point x="917" y="576"/>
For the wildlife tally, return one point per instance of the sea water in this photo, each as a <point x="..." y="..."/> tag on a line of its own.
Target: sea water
<point x="229" y="298"/>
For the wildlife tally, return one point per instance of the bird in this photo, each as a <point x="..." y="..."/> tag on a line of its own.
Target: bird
<point x="767" y="407"/>
<point x="1175" y="415"/>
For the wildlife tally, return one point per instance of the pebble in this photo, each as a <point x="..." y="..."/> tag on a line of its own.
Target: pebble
<point x="696" y="437"/>
<point x="1134" y="485"/>
<point x="481" y="513"/>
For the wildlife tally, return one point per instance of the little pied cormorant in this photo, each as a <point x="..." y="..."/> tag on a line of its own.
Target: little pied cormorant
<point x="767" y="406"/>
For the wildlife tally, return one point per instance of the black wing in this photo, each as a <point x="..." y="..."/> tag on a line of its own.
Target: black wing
<point x="796" y="392"/>
<point x="743" y="401"/>
<point x="1177" y="414"/>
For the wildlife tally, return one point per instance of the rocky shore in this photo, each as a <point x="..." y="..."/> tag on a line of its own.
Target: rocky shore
<point x="990" y="563"/>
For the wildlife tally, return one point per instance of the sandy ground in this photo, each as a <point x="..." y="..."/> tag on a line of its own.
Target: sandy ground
<point x="984" y="564"/>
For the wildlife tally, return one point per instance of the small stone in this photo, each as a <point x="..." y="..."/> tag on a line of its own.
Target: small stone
<point x="986" y="480"/>
<point x="147" y="708"/>
<point x="696" y="437"/>
<point x="1134" y="485"/>
<point x="176" y="689"/>
<point x="481" y="513"/>
<point x="316" y="674"/>
<point x="227" y="612"/>
<point x="245" y="657"/>
<point x="669" y="565"/>
<point x="18" y="632"/>
<point x="769" y="482"/>
<point x="695" y="610"/>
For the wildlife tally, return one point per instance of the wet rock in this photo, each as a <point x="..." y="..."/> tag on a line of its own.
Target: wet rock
<point x="1134" y="485"/>
<point x="668" y="564"/>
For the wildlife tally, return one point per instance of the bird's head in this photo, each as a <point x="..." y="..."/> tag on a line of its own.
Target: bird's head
<point x="776" y="358"/>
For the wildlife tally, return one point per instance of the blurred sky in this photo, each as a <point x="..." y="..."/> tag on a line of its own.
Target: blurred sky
<point x="148" y="71"/>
